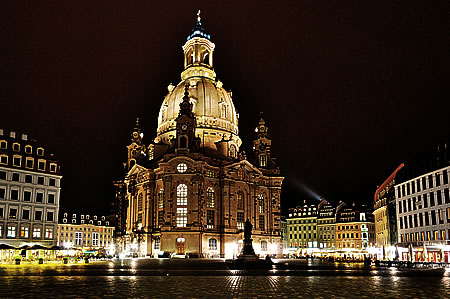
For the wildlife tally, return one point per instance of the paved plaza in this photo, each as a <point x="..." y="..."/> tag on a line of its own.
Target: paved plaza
<point x="211" y="279"/>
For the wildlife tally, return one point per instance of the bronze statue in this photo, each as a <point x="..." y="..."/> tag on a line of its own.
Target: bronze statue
<point x="248" y="229"/>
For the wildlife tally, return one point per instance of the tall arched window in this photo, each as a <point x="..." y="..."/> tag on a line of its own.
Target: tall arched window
<point x="240" y="200"/>
<point x="161" y="199"/>
<point x="210" y="197"/>
<point x="182" y="195"/>
<point x="140" y="202"/>
<point x="261" y="203"/>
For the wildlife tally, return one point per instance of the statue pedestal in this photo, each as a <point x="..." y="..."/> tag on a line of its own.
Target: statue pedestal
<point x="248" y="253"/>
<point x="248" y="260"/>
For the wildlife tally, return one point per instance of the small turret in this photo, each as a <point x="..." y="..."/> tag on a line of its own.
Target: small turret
<point x="262" y="144"/>
<point x="136" y="149"/>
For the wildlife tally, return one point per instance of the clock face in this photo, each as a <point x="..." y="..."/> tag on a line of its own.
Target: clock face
<point x="135" y="135"/>
<point x="184" y="127"/>
<point x="262" y="147"/>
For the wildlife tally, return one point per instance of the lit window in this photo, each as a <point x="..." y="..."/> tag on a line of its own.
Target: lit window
<point x="151" y="152"/>
<point x="210" y="197"/>
<point x="261" y="203"/>
<point x="157" y="243"/>
<point x="95" y="238"/>
<point x="24" y="232"/>
<point x="11" y="232"/>
<point x="48" y="233"/>
<point x="263" y="245"/>
<point x="181" y="167"/>
<point x="182" y="195"/>
<point x="212" y="244"/>
<point x="36" y="232"/>
<point x="262" y="160"/>
<point x="78" y="238"/>
<point x="161" y="199"/>
<point x="240" y="220"/>
<point x="181" y="217"/>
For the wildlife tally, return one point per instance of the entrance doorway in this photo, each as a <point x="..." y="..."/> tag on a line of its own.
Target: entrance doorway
<point x="180" y="246"/>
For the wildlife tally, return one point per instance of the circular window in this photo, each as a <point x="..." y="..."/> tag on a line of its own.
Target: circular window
<point x="181" y="167"/>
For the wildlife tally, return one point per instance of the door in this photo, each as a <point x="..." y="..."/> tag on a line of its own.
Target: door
<point x="180" y="248"/>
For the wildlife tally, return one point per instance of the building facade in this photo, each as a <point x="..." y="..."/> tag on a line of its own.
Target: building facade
<point x="326" y="218"/>
<point x="191" y="189"/>
<point x="86" y="232"/>
<point x="385" y="214"/>
<point x="29" y="192"/>
<point x="355" y="231"/>
<point x="302" y="228"/>
<point x="423" y="214"/>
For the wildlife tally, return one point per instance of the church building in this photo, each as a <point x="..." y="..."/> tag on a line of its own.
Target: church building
<point x="190" y="191"/>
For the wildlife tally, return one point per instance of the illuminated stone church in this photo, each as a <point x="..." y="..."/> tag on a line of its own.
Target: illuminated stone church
<point x="190" y="191"/>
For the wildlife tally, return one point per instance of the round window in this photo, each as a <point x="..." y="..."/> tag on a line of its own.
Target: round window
<point x="181" y="167"/>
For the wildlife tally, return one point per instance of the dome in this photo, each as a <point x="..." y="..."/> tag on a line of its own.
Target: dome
<point x="216" y="116"/>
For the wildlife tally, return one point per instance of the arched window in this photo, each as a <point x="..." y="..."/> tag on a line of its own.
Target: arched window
<point x="233" y="151"/>
<point x="263" y="245"/>
<point x="223" y="110"/>
<point x="182" y="195"/>
<point x="3" y="144"/>
<point x="240" y="200"/>
<point x="210" y="197"/>
<point x="140" y="202"/>
<point x="206" y="58"/>
<point x="212" y="244"/>
<point x="161" y="199"/>
<point x="261" y="203"/>
<point x="262" y="161"/>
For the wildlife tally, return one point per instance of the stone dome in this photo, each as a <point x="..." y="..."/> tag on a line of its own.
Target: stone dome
<point x="216" y="116"/>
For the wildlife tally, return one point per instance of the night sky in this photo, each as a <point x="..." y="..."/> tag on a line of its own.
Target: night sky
<point x="349" y="89"/>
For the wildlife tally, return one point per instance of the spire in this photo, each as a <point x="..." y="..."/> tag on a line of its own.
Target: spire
<point x="261" y="130"/>
<point x="198" y="30"/>
<point x="199" y="23"/>
<point x="136" y="135"/>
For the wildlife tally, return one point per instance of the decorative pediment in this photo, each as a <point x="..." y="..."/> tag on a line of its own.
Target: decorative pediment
<point x="135" y="170"/>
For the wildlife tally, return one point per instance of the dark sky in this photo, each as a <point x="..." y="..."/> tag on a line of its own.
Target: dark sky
<point x="349" y="89"/>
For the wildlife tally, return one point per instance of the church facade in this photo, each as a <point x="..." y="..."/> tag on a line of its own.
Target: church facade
<point x="190" y="190"/>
